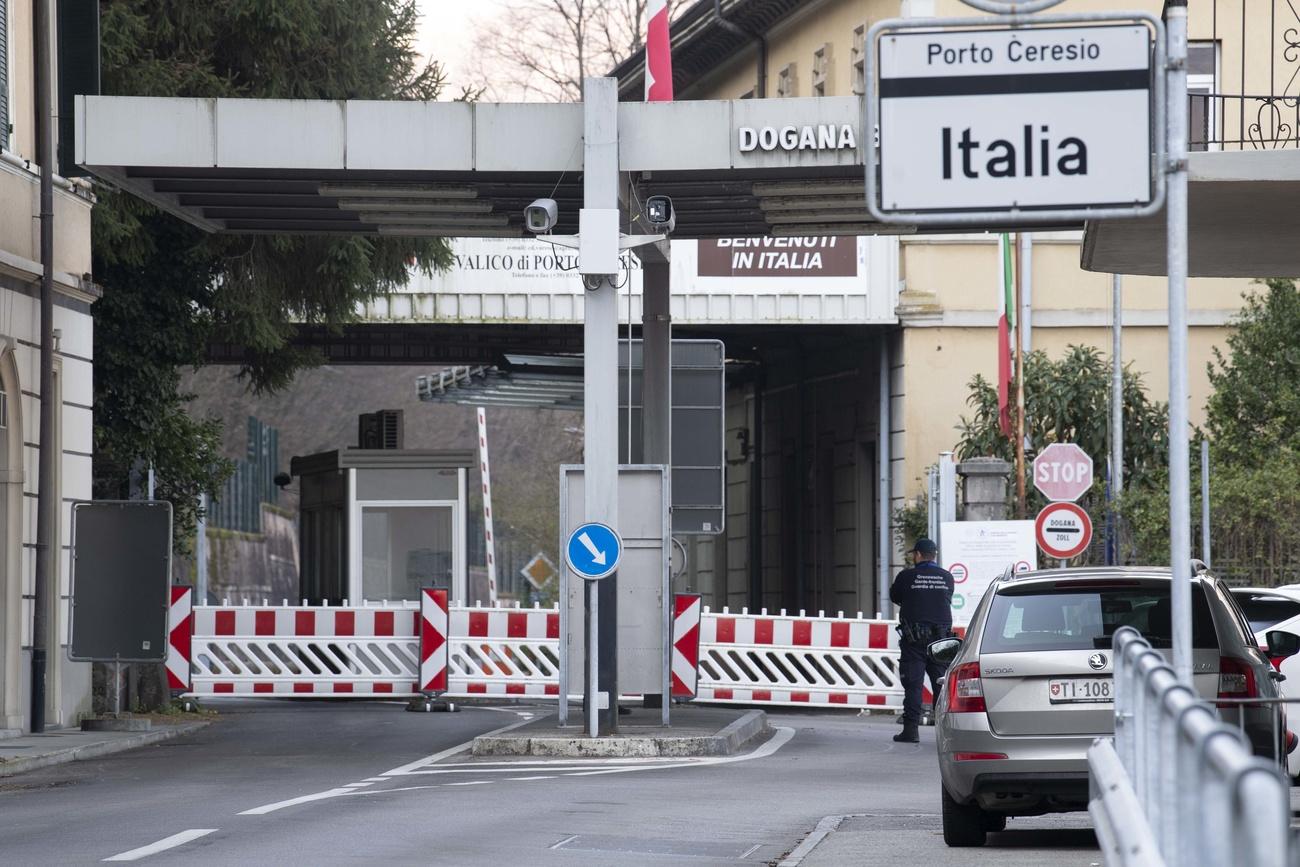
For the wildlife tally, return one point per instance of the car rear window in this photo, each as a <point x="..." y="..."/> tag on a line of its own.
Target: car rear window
<point x="1264" y="610"/>
<point x="1078" y="619"/>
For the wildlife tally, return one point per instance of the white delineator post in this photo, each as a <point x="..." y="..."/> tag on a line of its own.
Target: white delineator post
<point x="598" y="263"/>
<point x="1180" y="522"/>
<point x="488" y="537"/>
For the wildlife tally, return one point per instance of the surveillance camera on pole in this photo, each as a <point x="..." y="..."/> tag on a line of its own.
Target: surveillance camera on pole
<point x="660" y="215"/>
<point x="541" y="216"/>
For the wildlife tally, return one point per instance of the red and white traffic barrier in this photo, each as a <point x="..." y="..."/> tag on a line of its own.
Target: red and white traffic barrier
<point x="684" y="669"/>
<point x="778" y="659"/>
<point x="180" y="627"/>
<point x="411" y="649"/>
<point x="290" y="650"/>
<point x="503" y="651"/>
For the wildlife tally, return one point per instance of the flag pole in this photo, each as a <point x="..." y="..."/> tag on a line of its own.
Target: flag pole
<point x="1020" y="392"/>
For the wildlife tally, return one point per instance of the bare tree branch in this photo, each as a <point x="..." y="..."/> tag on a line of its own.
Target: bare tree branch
<point x="543" y="49"/>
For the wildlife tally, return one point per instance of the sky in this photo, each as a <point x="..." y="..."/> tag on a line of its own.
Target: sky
<point x="447" y="35"/>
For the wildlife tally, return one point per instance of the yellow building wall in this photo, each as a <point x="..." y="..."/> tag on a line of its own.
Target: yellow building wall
<point x="957" y="277"/>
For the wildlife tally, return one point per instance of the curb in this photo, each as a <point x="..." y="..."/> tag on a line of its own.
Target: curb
<point x="726" y="742"/>
<point x="95" y="750"/>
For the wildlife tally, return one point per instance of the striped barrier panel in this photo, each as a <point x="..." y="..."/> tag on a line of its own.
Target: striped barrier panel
<point x="180" y="628"/>
<point x="783" y="660"/>
<point x="504" y="651"/>
<point x="684" y="669"/>
<point x="288" y="650"/>
<point x="435" y="627"/>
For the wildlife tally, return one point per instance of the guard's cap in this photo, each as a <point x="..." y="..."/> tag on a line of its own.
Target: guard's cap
<point x="925" y="546"/>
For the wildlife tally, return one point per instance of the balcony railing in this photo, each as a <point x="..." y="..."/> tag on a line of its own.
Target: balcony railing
<point x="1244" y="75"/>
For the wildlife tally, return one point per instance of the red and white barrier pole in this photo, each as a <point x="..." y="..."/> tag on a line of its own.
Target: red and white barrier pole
<point x="487" y="507"/>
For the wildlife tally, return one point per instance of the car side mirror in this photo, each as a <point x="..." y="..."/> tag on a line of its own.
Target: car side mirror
<point x="1281" y="644"/>
<point x="943" y="651"/>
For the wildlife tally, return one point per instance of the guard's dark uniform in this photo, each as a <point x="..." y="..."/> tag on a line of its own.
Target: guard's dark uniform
<point x="924" y="596"/>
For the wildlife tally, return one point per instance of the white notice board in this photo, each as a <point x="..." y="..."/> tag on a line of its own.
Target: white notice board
<point x="977" y="552"/>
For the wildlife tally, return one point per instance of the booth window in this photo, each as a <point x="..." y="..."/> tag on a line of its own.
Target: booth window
<point x="405" y="548"/>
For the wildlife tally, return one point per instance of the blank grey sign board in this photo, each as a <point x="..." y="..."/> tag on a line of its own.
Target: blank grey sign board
<point x="121" y="580"/>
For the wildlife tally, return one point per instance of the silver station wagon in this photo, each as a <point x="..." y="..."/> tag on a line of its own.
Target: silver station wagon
<point x="1031" y="686"/>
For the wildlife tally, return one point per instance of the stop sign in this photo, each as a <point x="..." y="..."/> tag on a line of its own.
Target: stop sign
<point x="1063" y="471"/>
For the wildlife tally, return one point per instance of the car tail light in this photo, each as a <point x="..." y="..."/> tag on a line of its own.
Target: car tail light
<point x="978" y="757"/>
<point x="1236" y="679"/>
<point x="1291" y="742"/>
<point x="965" y="689"/>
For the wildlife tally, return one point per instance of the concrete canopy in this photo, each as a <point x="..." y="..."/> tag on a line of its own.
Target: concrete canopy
<point x="1240" y="219"/>
<point x="734" y="167"/>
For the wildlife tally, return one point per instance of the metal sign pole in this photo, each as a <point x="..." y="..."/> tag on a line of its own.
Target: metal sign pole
<point x="1116" y="406"/>
<point x="1205" y="501"/>
<point x="1180" y="535"/>
<point x="598" y="225"/>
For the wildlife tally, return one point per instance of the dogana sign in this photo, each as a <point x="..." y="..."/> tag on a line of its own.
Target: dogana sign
<point x="1008" y="120"/>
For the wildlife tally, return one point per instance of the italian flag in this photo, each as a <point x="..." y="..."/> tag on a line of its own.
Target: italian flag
<point x="658" y="53"/>
<point x="1006" y="325"/>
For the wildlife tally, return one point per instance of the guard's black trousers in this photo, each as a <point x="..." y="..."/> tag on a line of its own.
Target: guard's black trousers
<point x="913" y="668"/>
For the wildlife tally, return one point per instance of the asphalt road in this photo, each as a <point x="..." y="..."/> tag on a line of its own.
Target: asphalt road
<point x="277" y="783"/>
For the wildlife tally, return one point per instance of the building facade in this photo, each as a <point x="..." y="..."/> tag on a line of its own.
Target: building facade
<point x="68" y="683"/>
<point x="949" y="285"/>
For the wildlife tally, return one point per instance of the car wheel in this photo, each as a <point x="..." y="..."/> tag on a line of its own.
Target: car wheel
<point x="963" y="824"/>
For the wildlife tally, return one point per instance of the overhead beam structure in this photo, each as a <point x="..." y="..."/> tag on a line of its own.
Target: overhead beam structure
<point x="780" y="167"/>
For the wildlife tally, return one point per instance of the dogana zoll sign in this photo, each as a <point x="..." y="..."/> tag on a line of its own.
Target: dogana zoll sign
<point x="1015" y="119"/>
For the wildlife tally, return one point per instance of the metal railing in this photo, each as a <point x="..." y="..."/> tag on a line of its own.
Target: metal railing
<point x="1203" y="798"/>
<point x="1244" y="80"/>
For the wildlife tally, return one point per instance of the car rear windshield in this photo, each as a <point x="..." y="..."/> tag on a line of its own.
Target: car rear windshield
<point x="1264" y="610"/>
<point x="1080" y="619"/>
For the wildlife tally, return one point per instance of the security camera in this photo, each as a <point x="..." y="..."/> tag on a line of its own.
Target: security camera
<point x="659" y="213"/>
<point x="541" y="216"/>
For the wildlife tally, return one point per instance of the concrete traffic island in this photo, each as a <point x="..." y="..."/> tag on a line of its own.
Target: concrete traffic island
<point x="695" y="731"/>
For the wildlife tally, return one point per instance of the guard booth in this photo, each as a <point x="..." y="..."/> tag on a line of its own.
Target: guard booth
<point x="378" y="524"/>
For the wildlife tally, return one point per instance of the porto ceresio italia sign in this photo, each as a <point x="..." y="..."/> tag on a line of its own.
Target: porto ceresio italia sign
<point x="1024" y="118"/>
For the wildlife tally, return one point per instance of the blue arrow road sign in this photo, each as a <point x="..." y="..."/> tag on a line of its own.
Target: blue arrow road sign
<point x="593" y="550"/>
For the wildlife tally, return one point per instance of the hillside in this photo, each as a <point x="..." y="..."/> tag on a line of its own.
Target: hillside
<point x="319" y="413"/>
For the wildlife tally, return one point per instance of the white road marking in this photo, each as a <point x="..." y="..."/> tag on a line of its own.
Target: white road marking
<point x="570" y="768"/>
<point x="376" y="779"/>
<point x="827" y="826"/>
<point x="411" y="767"/>
<point x="568" y="839"/>
<point x="163" y="845"/>
<point x="528" y="713"/>
<point x="293" y="802"/>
